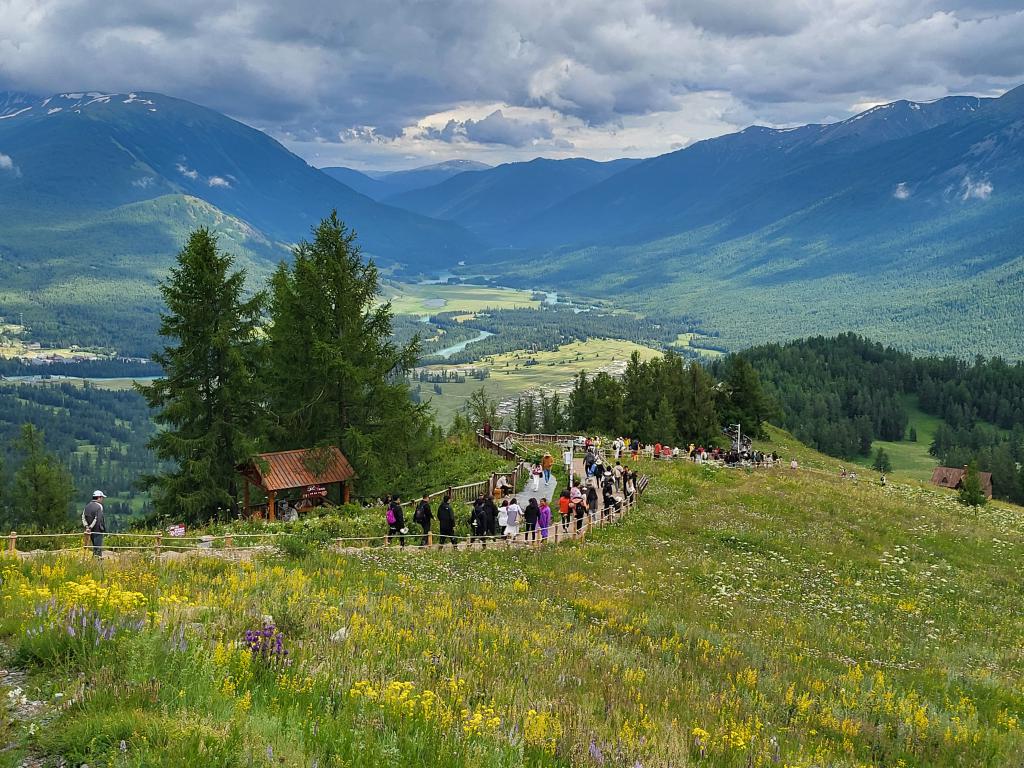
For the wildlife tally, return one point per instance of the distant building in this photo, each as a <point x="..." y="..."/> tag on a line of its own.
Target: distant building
<point x="950" y="477"/>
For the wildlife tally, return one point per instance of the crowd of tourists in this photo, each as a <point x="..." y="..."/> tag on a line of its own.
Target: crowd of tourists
<point x="502" y="515"/>
<point x="742" y="455"/>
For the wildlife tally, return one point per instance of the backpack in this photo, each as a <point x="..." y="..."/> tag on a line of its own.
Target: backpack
<point x="419" y="516"/>
<point x="391" y="515"/>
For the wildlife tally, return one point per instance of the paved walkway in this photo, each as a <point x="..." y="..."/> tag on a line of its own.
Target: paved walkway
<point x="551" y="491"/>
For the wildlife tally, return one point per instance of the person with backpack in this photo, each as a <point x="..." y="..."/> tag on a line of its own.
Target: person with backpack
<point x="592" y="500"/>
<point x="446" y="520"/>
<point x="396" y="520"/>
<point x="423" y="516"/>
<point x="93" y="522"/>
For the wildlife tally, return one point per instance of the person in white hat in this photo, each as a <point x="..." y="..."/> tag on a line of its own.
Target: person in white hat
<point x="92" y="521"/>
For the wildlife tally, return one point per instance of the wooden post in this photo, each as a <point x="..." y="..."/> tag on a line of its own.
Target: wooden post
<point x="430" y="538"/>
<point x="556" y="526"/>
<point x="157" y="542"/>
<point x="229" y="541"/>
<point x="346" y="491"/>
<point x="271" y="506"/>
<point x="12" y="543"/>
<point x="85" y="540"/>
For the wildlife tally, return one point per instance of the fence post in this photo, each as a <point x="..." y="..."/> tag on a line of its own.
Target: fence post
<point x="229" y="541"/>
<point x="430" y="538"/>
<point x="157" y="542"/>
<point x="85" y="540"/>
<point x="556" y="524"/>
<point x="12" y="543"/>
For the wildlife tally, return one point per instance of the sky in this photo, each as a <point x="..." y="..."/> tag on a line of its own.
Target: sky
<point x="392" y="84"/>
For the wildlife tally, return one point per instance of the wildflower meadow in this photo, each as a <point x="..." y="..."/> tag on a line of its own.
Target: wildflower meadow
<point x="738" y="618"/>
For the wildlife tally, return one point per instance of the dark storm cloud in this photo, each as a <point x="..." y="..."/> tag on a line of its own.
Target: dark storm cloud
<point x="329" y="71"/>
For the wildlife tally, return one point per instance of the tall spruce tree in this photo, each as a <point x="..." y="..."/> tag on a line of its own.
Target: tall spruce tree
<point x="42" y="486"/>
<point x="744" y="400"/>
<point x="206" y="400"/>
<point x="334" y="376"/>
<point x="697" y="416"/>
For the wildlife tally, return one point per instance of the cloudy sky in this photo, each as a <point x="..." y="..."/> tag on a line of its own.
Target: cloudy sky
<point x="399" y="83"/>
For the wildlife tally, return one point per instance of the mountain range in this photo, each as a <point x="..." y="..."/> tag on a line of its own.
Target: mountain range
<point x="902" y="221"/>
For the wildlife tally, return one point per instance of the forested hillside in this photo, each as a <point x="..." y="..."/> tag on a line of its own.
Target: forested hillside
<point x="840" y="394"/>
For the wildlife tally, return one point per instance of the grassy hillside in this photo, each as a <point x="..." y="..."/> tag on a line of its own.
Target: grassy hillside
<point x="740" y="618"/>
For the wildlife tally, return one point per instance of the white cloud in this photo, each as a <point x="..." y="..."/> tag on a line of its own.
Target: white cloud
<point x="144" y="183"/>
<point x="318" y="72"/>
<point x="975" y="190"/>
<point x="218" y="181"/>
<point x="7" y="165"/>
<point x="902" y="192"/>
<point x="188" y="173"/>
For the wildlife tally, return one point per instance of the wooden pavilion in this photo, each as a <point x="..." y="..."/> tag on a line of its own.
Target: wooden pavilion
<point x="311" y="471"/>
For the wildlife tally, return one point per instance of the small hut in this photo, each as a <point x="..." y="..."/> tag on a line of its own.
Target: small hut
<point x="310" y="472"/>
<point x="951" y="477"/>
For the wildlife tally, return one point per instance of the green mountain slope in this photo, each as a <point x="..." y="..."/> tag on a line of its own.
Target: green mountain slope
<point x="497" y="203"/>
<point x="914" y="241"/>
<point x="98" y="151"/>
<point x="91" y="277"/>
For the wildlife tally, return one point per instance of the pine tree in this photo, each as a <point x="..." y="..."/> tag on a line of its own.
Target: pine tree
<point x="206" y="399"/>
<point x="665" y="423"/>
<point x="745" y="400"/>
<point x="480" y="408"/>
<point x="42" y="486"/>
<point x="698" y="420"/>
<point x="971" y="492"/>
<point x="334" y="376"/>
<point x="882" y="462"/>
<point x="913" y="435"/>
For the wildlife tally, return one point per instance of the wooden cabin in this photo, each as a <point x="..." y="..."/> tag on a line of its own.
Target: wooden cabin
<point x="951" y="477"/>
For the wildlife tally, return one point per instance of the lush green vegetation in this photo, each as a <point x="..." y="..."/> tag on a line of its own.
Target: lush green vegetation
<point x="739" y="618"/>
<point x="668" y="401"/>
<point x="98" y="436"/>
<point x="842" y="394"/>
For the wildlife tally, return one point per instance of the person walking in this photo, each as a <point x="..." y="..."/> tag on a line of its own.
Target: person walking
<point x="446" y="520"/>
<point x="546" y="462"/>
<point x="491" y="514"/>
<point x="478" y="522"/>
<point x="592" y="500"/>
<point x="503" y="517"/>
<point x="93" y="522"/>
<point x="617" y="475"/>
<point x="530" y="515"/>
<point x="544" y="518"/>
<point x="564" y="505"/>
<point x="513" y="519"/>
<point x="396" y="520"/>
<point x="423" y="516"/>
<point x="567" y="463"/>
<point x="537" y="472"/>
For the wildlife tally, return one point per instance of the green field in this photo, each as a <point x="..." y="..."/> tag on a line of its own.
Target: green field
<point x="510" y="374"/>
<point x="911" y="459"/>
<point x="409" y="299"/>
<point x="737" y="618"/>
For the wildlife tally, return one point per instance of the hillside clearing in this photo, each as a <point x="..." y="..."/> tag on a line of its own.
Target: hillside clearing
<point x="738" y="618"/>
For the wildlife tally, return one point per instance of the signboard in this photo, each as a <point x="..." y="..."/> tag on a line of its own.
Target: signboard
<point x="315" y="492"/>
<point x="176" y="531"/>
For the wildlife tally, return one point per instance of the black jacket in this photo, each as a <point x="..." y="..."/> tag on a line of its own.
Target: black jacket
<point x="399" y="515"/>
<point x="532" y="512"/>
<point x="445" y="516"/>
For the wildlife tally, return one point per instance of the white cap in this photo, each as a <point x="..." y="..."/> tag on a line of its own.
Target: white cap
<point x="98" y="494"/>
